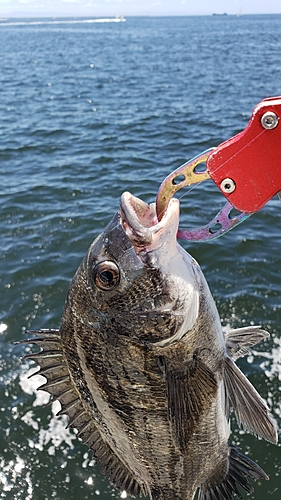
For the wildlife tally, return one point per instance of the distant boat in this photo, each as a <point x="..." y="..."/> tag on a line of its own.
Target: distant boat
<point x="224" y="14"/>
<point x="116" y="19"/>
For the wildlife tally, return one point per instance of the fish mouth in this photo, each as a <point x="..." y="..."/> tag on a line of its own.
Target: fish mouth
<point x="141" y="225"/>
<point x="155" y="243"/>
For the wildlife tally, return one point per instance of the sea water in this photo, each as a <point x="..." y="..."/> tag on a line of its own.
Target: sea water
<point x="87" y="111"/>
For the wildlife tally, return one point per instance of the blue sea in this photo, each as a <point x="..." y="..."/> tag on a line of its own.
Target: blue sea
<point x="89" y="110"/>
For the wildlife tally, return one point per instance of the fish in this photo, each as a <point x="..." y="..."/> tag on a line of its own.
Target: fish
<point x="144" y="370"/>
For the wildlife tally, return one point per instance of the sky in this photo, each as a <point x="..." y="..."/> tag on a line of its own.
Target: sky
<point x="136" y="7"/>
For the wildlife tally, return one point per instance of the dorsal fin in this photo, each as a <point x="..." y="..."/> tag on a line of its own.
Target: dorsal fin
<point x="240" y="340"/>
<point x="54" y="367"/>
<point x="250" y="409"/>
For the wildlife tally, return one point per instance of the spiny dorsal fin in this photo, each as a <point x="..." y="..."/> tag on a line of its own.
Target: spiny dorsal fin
<point x="191" y="390"/>
<point x="54" y="367"/>
<point x="250" y="409"/>
<point x="240" y="340"/>
<point x="241" y="468"/>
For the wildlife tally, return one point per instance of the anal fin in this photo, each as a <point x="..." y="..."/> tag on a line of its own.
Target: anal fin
<point x="250" y="409"/>
<point x="241" y="469"/>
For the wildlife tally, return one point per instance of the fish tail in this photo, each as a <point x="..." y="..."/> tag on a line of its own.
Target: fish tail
<point x="241" y="469"/>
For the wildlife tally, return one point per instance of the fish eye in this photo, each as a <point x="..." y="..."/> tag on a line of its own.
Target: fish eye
<point x="106" y="275"/>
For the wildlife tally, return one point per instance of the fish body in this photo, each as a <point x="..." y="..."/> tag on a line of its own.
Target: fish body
<point x="142" y="367"/>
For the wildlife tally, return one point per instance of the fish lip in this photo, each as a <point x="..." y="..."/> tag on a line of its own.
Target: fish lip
<point x="140" y="222"/>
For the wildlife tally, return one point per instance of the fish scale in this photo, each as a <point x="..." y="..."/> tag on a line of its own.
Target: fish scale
<point x="143" y="370"/>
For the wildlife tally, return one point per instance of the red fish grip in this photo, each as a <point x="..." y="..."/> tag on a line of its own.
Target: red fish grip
<point x="247" y="167"/>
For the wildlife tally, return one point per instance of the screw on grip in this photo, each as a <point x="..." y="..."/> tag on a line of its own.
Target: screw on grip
<point x="247" y="167"/>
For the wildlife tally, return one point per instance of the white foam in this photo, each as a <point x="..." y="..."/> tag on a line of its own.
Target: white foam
<point x="56" y="432"/>
<point x="64" y="21"/>
<point x="3" y="328"/>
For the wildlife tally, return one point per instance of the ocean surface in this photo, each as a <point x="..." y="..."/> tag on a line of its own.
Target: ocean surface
<point x="87" y="111"/>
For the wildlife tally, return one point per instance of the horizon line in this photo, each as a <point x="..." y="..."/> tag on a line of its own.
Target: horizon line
<point x="21" y="15"/>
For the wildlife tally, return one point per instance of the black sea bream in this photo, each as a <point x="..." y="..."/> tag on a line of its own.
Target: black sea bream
<point x="143" y="369"/>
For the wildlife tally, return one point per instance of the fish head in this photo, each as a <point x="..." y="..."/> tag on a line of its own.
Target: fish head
<point x="135" y="279"/>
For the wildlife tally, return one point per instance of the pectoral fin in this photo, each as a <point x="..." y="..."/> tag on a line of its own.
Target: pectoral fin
<point x="240" y="340"/>
<point x="190" y="390"/>
<point x="250" y="409"/>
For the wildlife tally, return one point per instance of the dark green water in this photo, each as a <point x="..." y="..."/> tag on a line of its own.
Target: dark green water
<point x="88" y="111"/>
